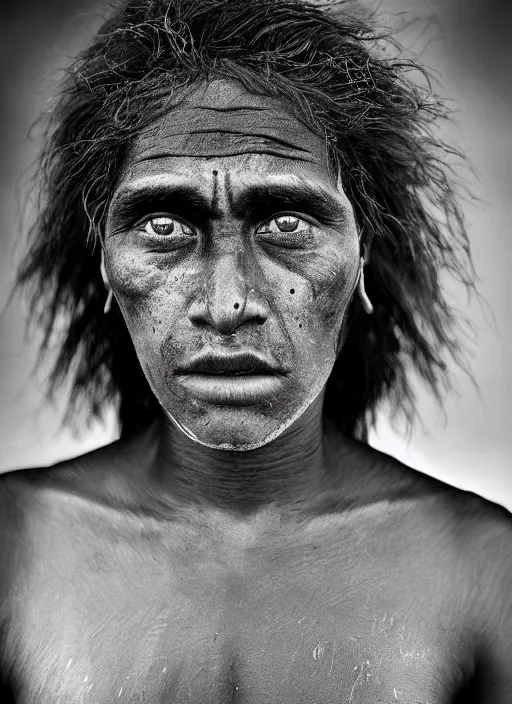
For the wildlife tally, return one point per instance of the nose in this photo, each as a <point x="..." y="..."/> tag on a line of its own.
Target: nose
<point x="229" y="298"/>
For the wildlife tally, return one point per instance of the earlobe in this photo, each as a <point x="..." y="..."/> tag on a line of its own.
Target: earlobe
<point x="104" y="271"/>
<point x="367" y="304"/>
<point x="108" y="302"/>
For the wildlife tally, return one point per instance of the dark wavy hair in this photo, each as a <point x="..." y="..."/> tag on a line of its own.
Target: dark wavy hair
<point x="352" y="84"/>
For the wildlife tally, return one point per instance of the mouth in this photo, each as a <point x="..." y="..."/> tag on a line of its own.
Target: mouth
<point x="240" y="379"/>
<point x="231" y="365"/>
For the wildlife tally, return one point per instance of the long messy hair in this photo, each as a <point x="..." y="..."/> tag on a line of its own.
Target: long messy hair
<point x="335" y="68"/>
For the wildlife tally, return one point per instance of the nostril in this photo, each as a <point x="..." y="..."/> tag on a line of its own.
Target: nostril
<point x="236" y="306"/>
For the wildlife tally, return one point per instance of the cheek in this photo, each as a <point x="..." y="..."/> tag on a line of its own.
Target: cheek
<point x="131" y="274"/>
<point x="317" y="299"/>
<point x="336" y="273"/>
<point x="139" y="278"/>
<point x="151" y="293"/>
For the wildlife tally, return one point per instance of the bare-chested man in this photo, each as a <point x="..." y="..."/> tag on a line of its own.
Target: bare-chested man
<point x="246" y="216"/>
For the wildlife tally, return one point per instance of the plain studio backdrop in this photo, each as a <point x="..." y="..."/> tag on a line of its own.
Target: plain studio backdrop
<point x="466" y="43"/>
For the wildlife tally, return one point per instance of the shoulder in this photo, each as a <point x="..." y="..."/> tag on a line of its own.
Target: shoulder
<point x="101" y="476"/>
<point x="474" y="533"/>
<point x="39" y="504"/>
<point x="376" y="477"/>
<point x="33" y="496"/>
<point x="486" y="543"/>
<point x="476" y="529"/>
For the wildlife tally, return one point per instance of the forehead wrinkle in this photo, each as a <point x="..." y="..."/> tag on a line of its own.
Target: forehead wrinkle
<point x="225" y="130"/>
<point x="239" y="108"/>
<point x="240" y="133"/>
<point x="226" y="142"/>
<point x="241" y="151"/>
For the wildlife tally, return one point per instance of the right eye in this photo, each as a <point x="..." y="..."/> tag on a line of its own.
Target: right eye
<point x="165" y="226"/>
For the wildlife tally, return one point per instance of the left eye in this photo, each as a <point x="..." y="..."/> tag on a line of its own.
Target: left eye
<point x="283" y="223"/>
<point x="164" y="226"/>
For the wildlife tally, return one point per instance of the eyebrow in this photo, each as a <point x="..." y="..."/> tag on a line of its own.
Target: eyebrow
<point x="179" y="199"/>
<point x="265" y="199"/>
<point x="255" y="202"/>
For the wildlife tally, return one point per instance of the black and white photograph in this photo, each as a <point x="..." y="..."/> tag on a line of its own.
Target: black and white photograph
<point x="255" y="344"/>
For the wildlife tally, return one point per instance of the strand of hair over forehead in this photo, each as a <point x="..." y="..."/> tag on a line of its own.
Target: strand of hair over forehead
<point x="346" y="79"/>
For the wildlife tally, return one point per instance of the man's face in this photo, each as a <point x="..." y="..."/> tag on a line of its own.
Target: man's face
<point x="227" y="234"/>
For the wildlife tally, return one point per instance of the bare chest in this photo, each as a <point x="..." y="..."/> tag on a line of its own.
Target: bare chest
<point x="310" y="621"/>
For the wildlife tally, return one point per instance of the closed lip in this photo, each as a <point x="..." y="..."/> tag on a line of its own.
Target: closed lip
<point x="245" y="362"/>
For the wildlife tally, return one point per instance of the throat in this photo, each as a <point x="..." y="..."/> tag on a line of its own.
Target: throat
<point x="290" y="471"/>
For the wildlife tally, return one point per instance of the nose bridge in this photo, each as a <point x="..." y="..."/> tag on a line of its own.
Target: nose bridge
<point x="229" y="293"/>
<point x="229" y="297"/>
<point x="226" y="273"/>
<point x="226" y="277"/>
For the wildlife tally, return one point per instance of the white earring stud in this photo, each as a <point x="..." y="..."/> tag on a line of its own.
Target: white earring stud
<point x="367" y="304"/>
<point x="108" y="302"/>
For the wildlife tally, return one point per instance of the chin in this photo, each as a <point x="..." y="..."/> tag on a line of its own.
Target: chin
<point x="237" y="430"/>
<point x="235" y="435"/>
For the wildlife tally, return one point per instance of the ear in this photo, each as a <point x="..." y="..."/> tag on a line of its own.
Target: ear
<point x="104" y="271"/>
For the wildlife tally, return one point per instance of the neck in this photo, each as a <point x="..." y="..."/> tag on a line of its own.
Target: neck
<point x="293" y="469"/>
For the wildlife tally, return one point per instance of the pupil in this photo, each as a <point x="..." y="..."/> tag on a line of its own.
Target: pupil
<point x="287" y="223"/>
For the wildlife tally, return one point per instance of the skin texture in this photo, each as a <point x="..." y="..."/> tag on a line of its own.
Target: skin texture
<point x="242" y="549"/>
<point x="227" y="278"/>
<point x="388" y="587"/>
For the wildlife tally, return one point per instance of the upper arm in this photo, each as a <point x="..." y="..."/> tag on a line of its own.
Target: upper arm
<point x="489" y="543"/>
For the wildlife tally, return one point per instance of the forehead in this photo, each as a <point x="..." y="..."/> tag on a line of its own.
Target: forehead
<point x="221" y="125"/>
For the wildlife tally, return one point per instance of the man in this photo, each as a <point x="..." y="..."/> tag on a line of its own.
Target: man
<point x="245" y="222"/>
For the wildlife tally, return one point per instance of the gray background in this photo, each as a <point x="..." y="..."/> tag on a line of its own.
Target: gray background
<point x="467" y="43"/>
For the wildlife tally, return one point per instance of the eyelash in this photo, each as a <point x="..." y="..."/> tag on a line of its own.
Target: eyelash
<point x="293" y="239"/>
<point x="290" y="214"/>
<point x="141" y="224"/>
<point x="299" y="238"/>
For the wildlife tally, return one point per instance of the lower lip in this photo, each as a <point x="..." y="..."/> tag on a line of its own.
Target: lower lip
<point x="239" y="390"/>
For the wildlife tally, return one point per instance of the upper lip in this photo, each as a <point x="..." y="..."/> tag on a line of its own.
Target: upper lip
<point x="221" y="363"/>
